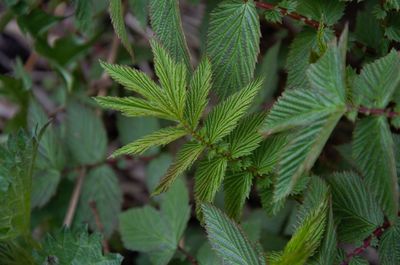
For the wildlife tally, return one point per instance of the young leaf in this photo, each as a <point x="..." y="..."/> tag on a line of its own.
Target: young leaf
<point x="225" y="116"/>
<point x="377" y="82"/>
<point x="233" y="44"/>
<point x="237" y="188"/>
<point x="161" y="137"/>
<point x="246" y="137"/>
<point x="228" y="240"/>
<point x="185" y="158"/>
<point x="200" y="85"/>
<point x="102" y="188"/>
<point x="86" y="136"/>
<point x="75" y="247"/>
<point x="117" y="19"/>
<point x="267" y="155"/>
<point x="354" y="206"/>
<point x="172" y="77"/>
<point x="373" y="151"/>
<point x="136" y="81"/>
<point x="306" y="239"/>
<point x="134" y="107"/>
<point x="329" y="12"/>
<point x="166" y="23"/>
<point x="209" y="177"/>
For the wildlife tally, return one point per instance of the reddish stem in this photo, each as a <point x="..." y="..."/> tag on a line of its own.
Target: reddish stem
<point x="366" y="242"/>
<point x="385" y="112"/>
<point x="296" y="16"/>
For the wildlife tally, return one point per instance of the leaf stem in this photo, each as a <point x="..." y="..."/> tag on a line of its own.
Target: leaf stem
<point x="377" y="233"/>
<point x="188" y="256"/>
<point x="378" y="112"/>
<point x="100" y="226"/>
<point x="75" y="197"/>
<point x="296" y="16"/>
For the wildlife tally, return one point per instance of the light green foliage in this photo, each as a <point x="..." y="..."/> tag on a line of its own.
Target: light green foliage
<point x="117" y="19"/>
<point x="373" y="152"/>
<point x="228" y="240"/>
<point x="157" y="232"/>
<point x="16" y="168"/>
<point x="184" y="159"/>
<point x="225" y="116"/>
<point x="74" y="247"/>
<point x="233" y="44"/>
<point x="161" y="137"/>
<point x="86" y="136"/>
<point x="354" y="207"/>
<point x="209" y="177"/>
<point x="237" y="188"/>
<point x="166" y="22"/>
<point x="200" y="85"/>
<point x="307" y="237"/>
<point x="246" y="137"/>
<point x="102" y="188"/>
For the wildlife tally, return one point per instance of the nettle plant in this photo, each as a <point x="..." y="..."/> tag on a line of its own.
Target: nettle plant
<point x="278" y="156"/>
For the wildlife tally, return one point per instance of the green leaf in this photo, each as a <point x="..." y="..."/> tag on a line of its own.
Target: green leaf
<point x="306" y="239"/>
<point x="157" y="232"/>
<point x="86" y="135"/>
<point x="133" y="107"/>
<point x="303" y="48"/>
<point x="156" y="169"/>
<point x="132" y="129"/>
<point x="44" y="186"/>
<point x="175" y="208"/>
<point x="246" y="137"/>
<point x="16" y="167"/>
<point x="158" y="138"/>
<point x="200" y="85"/>
<point x="185" y="158"/>
<point x="328" y="75"/>
<point x="140" y="10"/>
<point x="237" y="188"/>
<point x="320" y="10"/>
<point x="301" y="152"/>
<point x="228" y="239"/>
<point x="83" y="13"/>
<point x="299" y="107"/>
<point x="389" y="248"/>
<point x="267" y="155"/>
<point x="377" y="82"/>
<point x="138" y="82"/>
<point x="117" y="19"/>
<point x="373" y="151"/>
<point x="209" y="177"/>
<point x="166" y="23"/>
<point x="354" y="206"/>
<point x="225" y="116"/>
<point x="172" y="77"/>
<point x="102" y="188"/>
<point x="75" y="247"/>
<point x="233" y="44"/>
